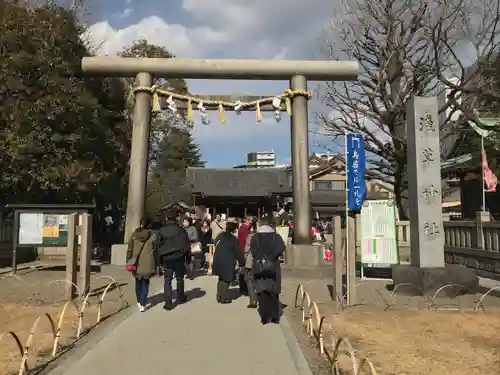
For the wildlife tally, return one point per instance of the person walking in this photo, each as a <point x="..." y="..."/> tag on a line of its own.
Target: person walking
<point x="206" y="239"/>
<point x="248" y="269"/>
<point x="227" y="256"/>
<point x="266" y="247"/>
<point x="141" y="260"/>
<point x="218" y="226"/>
<point x="174" y="252"/>
<point x="243" y="232"/>
<point x="195" y="245"/>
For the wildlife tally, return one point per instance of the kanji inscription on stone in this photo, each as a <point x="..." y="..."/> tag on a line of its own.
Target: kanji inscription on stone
<point x="424" y="182"/>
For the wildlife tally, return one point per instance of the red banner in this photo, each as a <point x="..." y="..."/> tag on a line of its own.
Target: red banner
<point x="490" y="180"/>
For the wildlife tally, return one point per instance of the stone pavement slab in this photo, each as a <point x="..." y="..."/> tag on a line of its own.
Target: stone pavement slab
<point x="199" y="337"/>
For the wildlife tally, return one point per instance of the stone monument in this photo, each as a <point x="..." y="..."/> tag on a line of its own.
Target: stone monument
<point x="427" y="270"/>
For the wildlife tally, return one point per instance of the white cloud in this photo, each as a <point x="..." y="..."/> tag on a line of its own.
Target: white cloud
<point x="177" y="38"/>
<point x="277" y="29"/>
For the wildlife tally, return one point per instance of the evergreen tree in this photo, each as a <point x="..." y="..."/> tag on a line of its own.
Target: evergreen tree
<point x="64" y="137"/>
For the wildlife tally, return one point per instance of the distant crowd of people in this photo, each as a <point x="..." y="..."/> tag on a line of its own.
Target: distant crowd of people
<point x="248" y="251"/>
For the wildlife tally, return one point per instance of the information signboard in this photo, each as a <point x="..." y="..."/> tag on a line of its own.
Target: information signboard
<point x="378" y="234"/>
<point x="43" y="229"/>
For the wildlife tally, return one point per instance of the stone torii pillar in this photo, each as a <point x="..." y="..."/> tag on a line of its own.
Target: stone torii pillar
<point x="297" y="72"/>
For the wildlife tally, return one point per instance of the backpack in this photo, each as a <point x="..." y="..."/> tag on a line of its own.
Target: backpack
<point x="263" y="266"/>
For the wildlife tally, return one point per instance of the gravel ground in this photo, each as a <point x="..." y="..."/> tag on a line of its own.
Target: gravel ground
<point x="38" y="288"/>
<point x="373" y="297"/>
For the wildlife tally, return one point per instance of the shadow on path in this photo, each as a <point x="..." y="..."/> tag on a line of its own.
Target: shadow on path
<point x="191" y="294"/>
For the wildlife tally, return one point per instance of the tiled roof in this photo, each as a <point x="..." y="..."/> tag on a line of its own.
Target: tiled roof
<point x="247" y="182"/>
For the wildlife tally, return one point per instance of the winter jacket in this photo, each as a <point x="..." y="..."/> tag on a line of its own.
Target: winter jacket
<point x="173" y="242"/>
<point x="217" y="228"/>
<point x="227" y="255"/>
<point x="142" y="246"/>
<point x="192" y="233"/>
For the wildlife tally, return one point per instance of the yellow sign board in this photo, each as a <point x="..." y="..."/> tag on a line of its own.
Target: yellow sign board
<point x="51" y="232"/>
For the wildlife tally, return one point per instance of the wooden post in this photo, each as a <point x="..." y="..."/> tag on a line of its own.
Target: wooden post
<point x="245" y="214"/>
<point x="258" y="213"/>
<point x="227" y="212"/>
<point x="71" y="258"/>
<point x="351" y="263"/>
<point x="338" y="259"/>
<point x="85" y="231"/>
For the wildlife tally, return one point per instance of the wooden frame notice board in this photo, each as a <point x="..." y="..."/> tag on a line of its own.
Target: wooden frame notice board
<point x="41" y="228"/>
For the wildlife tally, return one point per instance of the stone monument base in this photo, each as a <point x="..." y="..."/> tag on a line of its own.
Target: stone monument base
<point x="307" y="272"/>
<point x="430" y="280"/>
<point x="119" y="254"/>
<point x="304" y="255"/>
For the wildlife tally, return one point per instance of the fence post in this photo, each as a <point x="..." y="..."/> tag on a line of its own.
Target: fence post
<point x="85" y="252"/>
<point x="481" y="217"/>
<point x="338" y="259"/>
<point x="71" y="258"/>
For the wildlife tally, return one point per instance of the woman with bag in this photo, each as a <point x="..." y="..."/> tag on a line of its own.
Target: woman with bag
<point x="192" y="232"/>
<point x="206" y="239"/>
<point x="227" y="256"/>
<point x="141" y="260"/>
<point x="266" y="247"/>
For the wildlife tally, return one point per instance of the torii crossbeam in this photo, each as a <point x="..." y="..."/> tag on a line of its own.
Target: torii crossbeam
<point x="297" y="72"/>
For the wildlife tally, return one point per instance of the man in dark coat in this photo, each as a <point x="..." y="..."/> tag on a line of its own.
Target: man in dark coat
<point x="174" y="250"/>
<point x="227" y="255"/>
<point x="267" y="245"/>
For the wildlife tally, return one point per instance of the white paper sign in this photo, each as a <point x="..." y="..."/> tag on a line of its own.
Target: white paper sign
<point x="30" y="229"/>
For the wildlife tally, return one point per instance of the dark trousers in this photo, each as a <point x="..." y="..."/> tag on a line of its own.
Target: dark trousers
<point x="173" y="269"/>
<point x="252" y="295"/>
<point x="222" y="290"/>
<point x="242" y="283"/>
<point x="269" y="307"/>
<point x="142" y="291"/>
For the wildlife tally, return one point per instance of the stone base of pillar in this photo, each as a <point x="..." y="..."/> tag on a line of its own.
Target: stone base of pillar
<point x="119" y="254"/>
<point x="307" y="272"/>
<point x="304" y="255"/>
<point x="416" y="281"/>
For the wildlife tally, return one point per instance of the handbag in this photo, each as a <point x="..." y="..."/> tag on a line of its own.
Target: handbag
<point x="131" y="264"/>
<point x="195" y="247"/>
<point x="263" y="266"/>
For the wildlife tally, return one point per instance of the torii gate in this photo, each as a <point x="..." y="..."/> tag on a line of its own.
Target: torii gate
<point x="297" y="72"/>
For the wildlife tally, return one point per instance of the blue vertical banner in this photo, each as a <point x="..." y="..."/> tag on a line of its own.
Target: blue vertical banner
<point x="356" y="167"/>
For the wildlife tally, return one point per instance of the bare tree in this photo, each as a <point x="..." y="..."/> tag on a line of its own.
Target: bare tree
<point x="397" y="44"/>
<point x="467" y="58"/>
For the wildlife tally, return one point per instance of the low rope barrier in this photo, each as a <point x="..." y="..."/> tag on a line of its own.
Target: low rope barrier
<point x="55" y="329"/>
<point x="314" y="322"/>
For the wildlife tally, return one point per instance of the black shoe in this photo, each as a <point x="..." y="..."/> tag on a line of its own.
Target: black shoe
<point x="265" y="321"/>
<point x="225" y="301"/>
<point x="182" y="299"/>
<point x="252" y="305"/>
<point x="168" y="307"/>
<point x="275" y="321"/>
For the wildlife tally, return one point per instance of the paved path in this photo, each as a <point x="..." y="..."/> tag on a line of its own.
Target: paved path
<point x="200" y="337"/>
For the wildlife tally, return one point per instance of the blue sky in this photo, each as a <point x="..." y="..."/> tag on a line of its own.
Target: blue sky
<point x="258" y="29"/>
